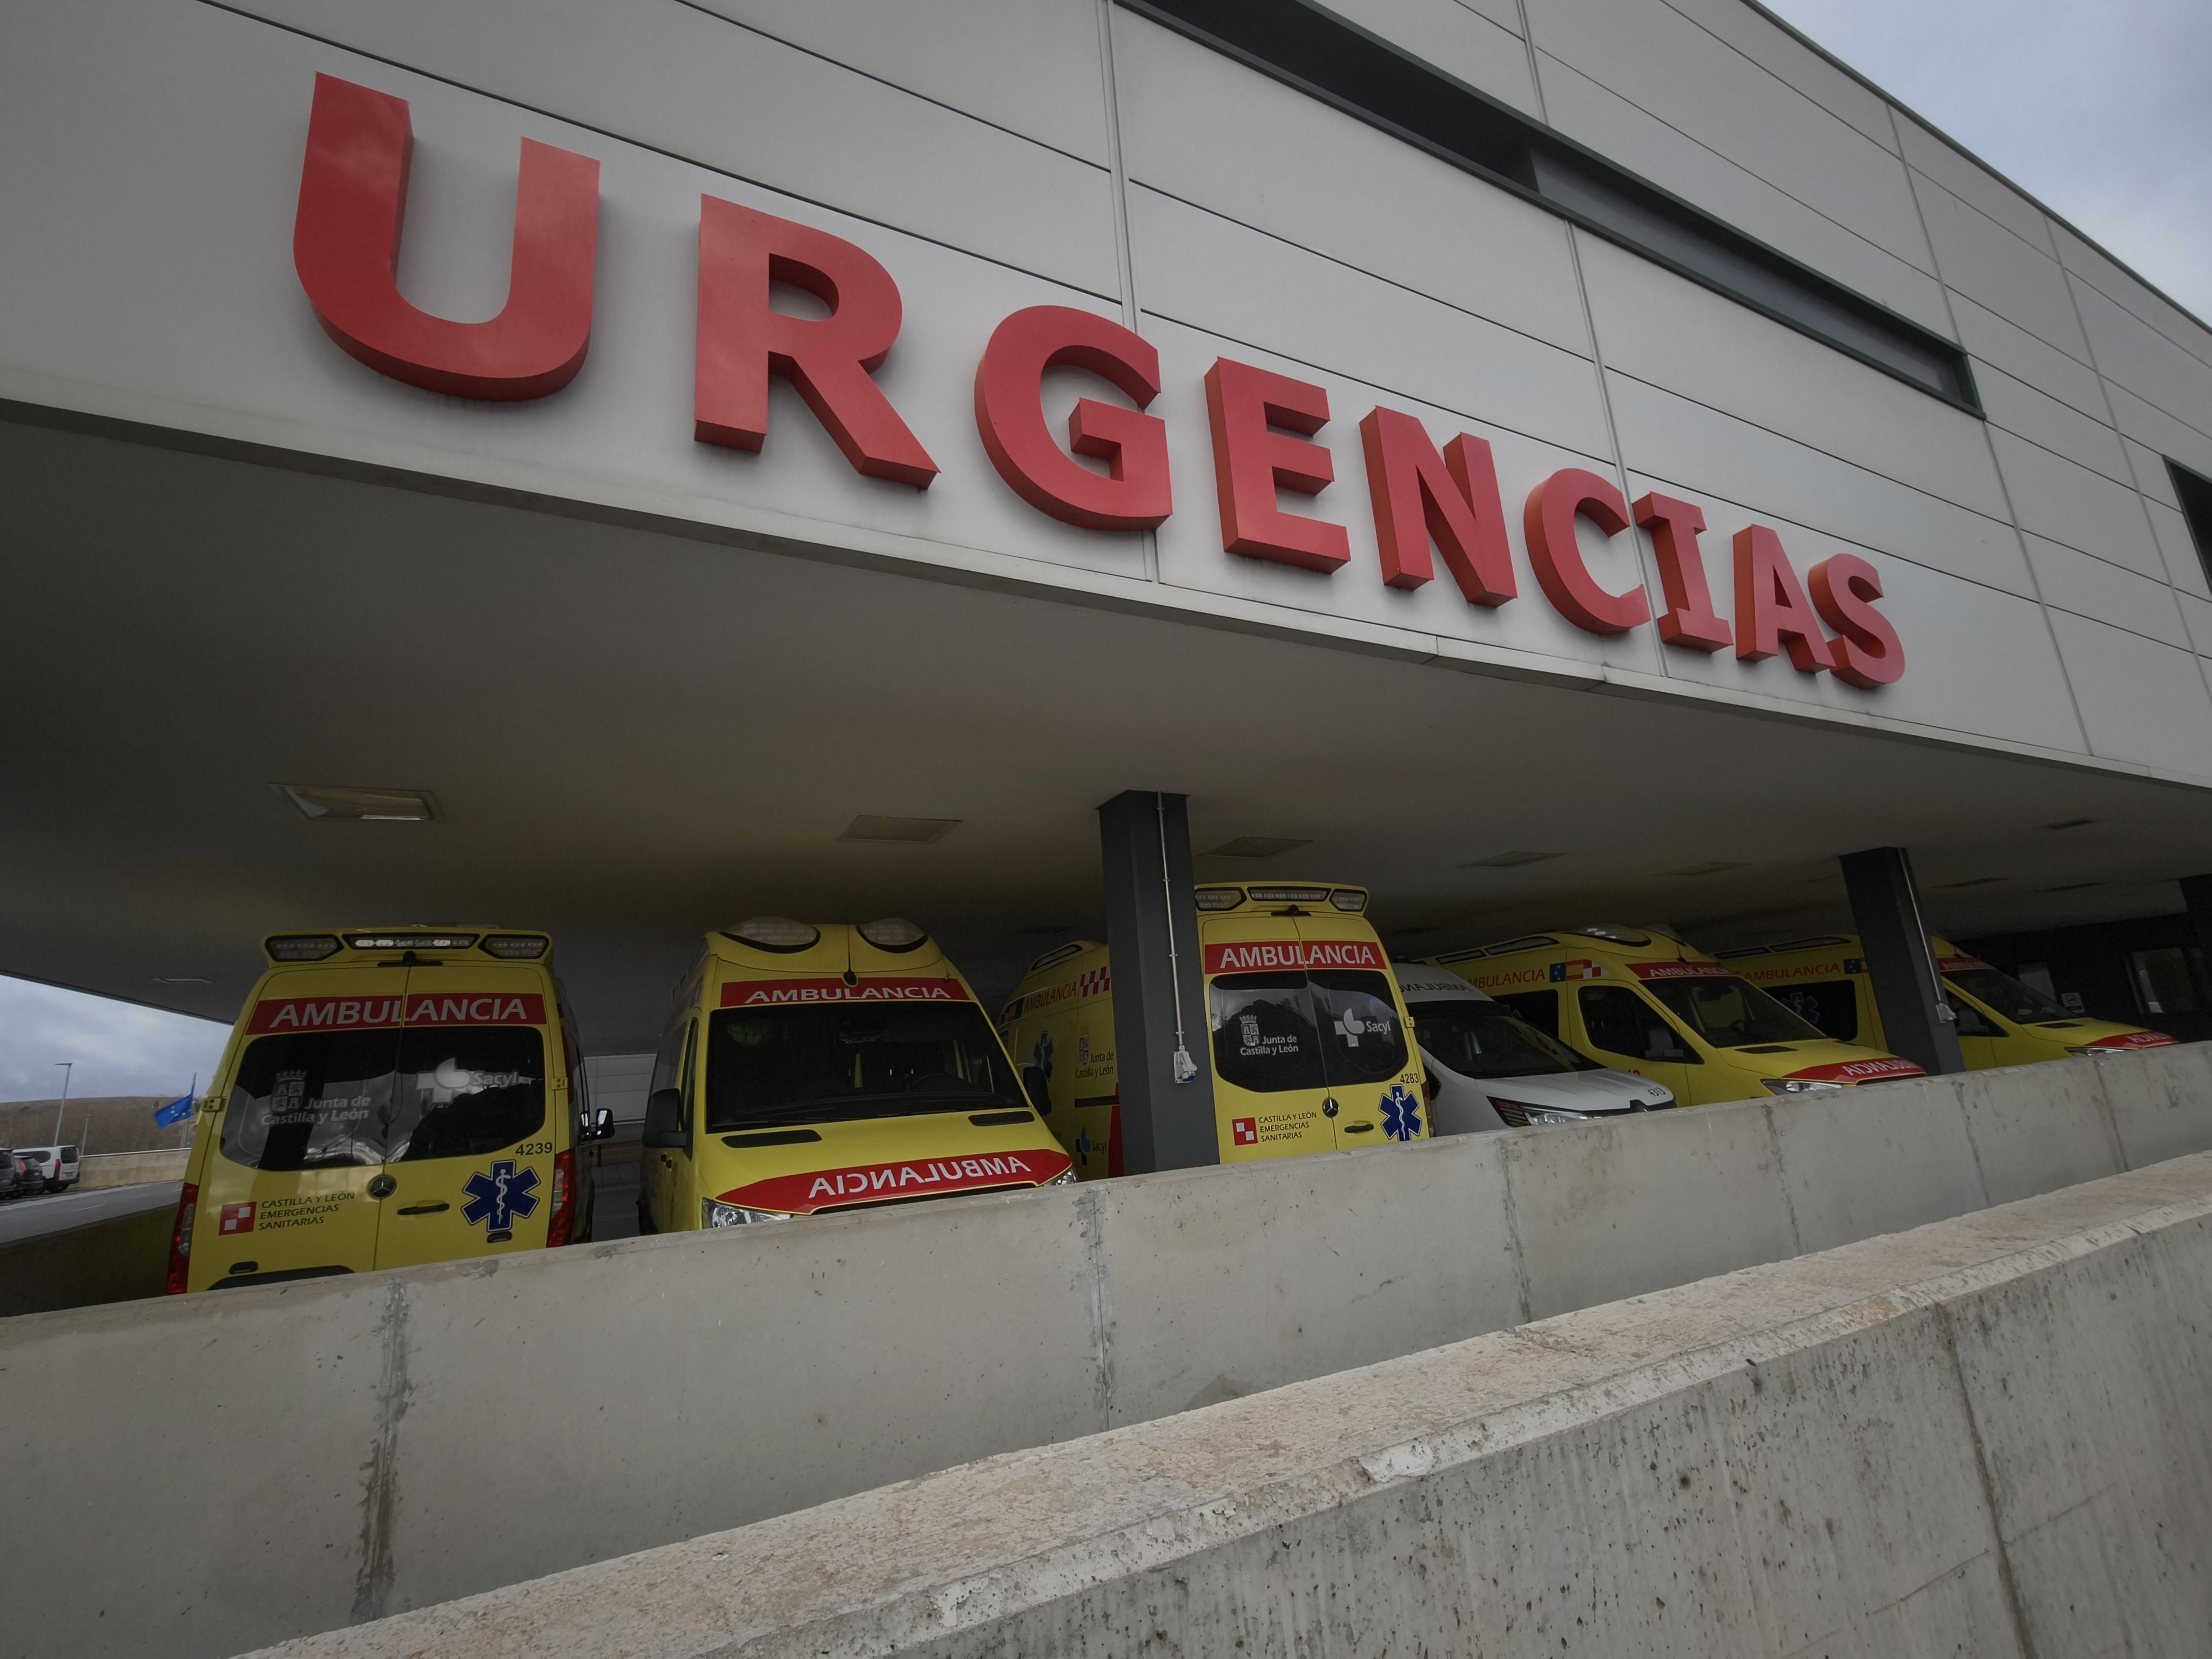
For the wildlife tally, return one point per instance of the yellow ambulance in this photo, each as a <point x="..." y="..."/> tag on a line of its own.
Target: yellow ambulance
<point x="809" y="1068"/>
<point x="390" y="1097"/>
<point x="1310" y="1039"/>
<point x="1641" y="1001"/>
<point x="2001" y="1022"/>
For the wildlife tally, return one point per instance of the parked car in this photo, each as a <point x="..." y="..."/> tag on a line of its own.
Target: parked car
<point x="57" y="1166"/>
<point x="1489" y="1069"/>
<point x="16" y="1179"/>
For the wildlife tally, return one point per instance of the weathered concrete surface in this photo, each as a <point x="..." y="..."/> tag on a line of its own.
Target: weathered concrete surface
<point x="78" y="1249"/>
<point x="97" y="1169"/>
<point x="1986" y="1436"/>
<point x="386" y="1442"/>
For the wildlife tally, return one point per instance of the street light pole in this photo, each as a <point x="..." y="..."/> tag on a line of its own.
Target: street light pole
<point x="69" y="1069"/>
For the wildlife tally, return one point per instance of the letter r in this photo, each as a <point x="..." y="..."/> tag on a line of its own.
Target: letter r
<point x="744" y="340"/>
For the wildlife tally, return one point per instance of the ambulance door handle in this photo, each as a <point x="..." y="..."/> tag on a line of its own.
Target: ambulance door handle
<point x="424" y="1209"/>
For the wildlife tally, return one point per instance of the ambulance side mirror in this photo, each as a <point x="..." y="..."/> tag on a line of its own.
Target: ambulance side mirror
<point x="1035" y="1087"/>
<point x="602" y="1125"/>
<point x="664" y="1119"/>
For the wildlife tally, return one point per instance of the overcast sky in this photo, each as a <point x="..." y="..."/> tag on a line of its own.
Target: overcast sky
<point x="119" y="1047"/>
<point x="2101" y="109"/>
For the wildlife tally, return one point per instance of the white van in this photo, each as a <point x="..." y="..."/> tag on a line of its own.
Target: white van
<point x="1490" y="1069"/>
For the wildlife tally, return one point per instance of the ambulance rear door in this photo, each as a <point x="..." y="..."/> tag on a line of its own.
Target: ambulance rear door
<point x="1374" y="1078"/>
<point x="285" y="1191"/>
<point x="469" y="1155"/>
<point x="1270" y="1082"/>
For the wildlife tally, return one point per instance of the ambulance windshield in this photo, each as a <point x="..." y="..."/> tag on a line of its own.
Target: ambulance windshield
<point x="319" y="1100"/>
<point x="1730" y="1013"/>
<point x="821" y="1064"/>
<point x="2020" y="1004"/>
<point x="1273" y="1032"/>
<point x="1482" y="1040"/>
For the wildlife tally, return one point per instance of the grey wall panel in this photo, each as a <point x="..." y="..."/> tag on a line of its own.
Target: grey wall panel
<point x="1190" y="542"/>
<point x="2090" y="587"/>
<point x="1670" y="332"/>
<point x="1198" y="126"/>
<point x="1034" y="68"/>
<point x="2054" y="497"/>
<point x="2197" y="614"/>
<point x="1698" y="447"/>
<point x="2014" y="684"/>
<point x="1213" y="274"/>
<point x="1612" y="126"/>
<point x="2105" y="275"/>
<point x="1969" y="181"/>
<point x="2019" y="408"/>
<point x="1787" y="59"/>
<point x="1992" y="339"/>
<point x="1656" y="58"/>
<point x="1980" y="258"/>
<point x="2142" y="701"/>
<point x="676" y="79"/>
<point x="1485" y="54"/>
<point x="2129" y="352"/>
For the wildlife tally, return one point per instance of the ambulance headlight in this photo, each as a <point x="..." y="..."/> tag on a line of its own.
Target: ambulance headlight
<point x="774" y="933"/>
<point x="1552" y="1115"/>
<point x="1065" y="1178"/>
<point x="1795" y="1085"/>
<point x="891" y="933"/>
<point x="300" y="947"/>
<point x="712" y="1213"/>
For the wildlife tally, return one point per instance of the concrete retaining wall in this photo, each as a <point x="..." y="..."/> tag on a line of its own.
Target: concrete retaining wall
<point x="398" y="1439"/>
<point x="132" y="1169"/>
<point x="1987" y="1435"/>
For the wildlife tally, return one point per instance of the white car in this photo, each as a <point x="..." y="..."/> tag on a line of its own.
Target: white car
<point x="1490" y="1069"/>
<point x="56" y="1166"/>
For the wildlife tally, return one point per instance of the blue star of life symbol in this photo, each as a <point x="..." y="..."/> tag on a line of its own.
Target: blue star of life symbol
<point x="499" y="1196"/>
<point x="1083" y="1146"/>
<point x="1401" y="1114"/>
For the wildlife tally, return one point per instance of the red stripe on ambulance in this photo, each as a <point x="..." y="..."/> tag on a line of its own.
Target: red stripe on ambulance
<point x="369" y="1013"/>
<point x="866" y="1183"/>
<point x="774" y="993"/>
<point x="1265" y="956"/>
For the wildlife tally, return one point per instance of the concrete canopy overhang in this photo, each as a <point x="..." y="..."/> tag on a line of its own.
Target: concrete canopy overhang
<point x="635" y="736"/>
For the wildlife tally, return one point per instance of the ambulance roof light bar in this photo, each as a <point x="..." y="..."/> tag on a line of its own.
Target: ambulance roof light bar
<point x="515" y="947"/>
<point x="778" y="934"/>
<point x="894" y="933"/>
<point x="410" y="941"/>
<point x="299" y="947"/>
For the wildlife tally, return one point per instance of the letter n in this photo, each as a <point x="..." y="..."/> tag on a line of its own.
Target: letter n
<point x="828" y="360"/>
<point x="345" y="246"/>
<point x="1452" y="498"/>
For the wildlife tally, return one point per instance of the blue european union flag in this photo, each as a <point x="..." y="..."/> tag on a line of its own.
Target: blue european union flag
<point x="175" y="1112"/>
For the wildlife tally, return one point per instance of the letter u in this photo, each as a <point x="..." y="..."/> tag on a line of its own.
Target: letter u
<point x="345" y="246"/>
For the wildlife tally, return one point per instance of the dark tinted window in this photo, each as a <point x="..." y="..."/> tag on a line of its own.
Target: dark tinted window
<point x="815" y="1064"/>
<point x="1967" y="1019"/>
<point x="1730" y="1013"/>
<point x="1264" y="1034"/>
<point x="2006" y="995"/>
<point x="461" y="1093"/>
<point x="1831" y="1004"/>
<point x="69" y="1154"/>
<point x="1540" y="1008"/>
<point x="1362" y="1039"/>
<point x="1478" y="1040"/>
<point x="1621" y="1022"/>
<point x="310" y="1100"/>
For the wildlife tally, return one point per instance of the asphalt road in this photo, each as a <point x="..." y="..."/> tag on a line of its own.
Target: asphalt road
<point x="24" y="1219"/>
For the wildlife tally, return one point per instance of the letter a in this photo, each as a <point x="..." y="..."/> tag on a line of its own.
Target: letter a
<point x="345" y="246"/>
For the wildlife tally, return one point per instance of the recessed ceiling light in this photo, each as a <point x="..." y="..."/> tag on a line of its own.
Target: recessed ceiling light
<point x="180" y="979"/>
<point x="1971" y="881"/>
<point x="1712" y="869"/>
<point x="2070" y="887"/>
<point x="1508" y="860"/>
<point x="1258" y="847"/>
<point x="912" y="831"/>
<point x="2067" y="824"/>
<point x="360" y="806"/>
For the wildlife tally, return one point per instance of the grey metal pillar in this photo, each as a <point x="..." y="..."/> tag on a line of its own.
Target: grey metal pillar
<point x="1915" y="1021"/>
<point x="1151" y="927"/>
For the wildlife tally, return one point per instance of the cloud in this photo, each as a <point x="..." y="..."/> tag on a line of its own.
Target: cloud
<point x="2096" y="107"/>
<point x="117" y="1048"/>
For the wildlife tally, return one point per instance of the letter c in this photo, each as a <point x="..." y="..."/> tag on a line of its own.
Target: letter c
<point x="1549" y="522"/>
<point x="1010" y="416"/>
